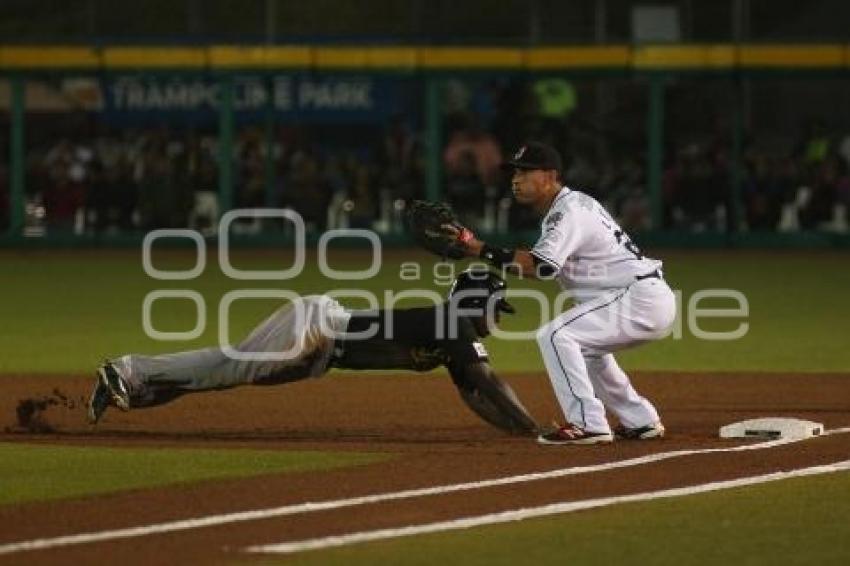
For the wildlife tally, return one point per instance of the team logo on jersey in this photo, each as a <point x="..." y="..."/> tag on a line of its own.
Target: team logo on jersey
<point x="520" y="152"/>
<point x="553" y="219"/>
<point x="480" y="350"/>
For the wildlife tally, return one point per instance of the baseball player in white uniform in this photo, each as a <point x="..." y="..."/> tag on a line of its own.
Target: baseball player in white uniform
<point x="621" y="300"/>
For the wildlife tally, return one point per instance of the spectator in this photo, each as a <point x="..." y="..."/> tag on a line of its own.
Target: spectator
<point x="64" y="197"/>
<point x="396" y="159"/>
<point x="764" y="193"/>
<point x="464" y="188"/>
<point x="699" y="190"/>
<point x="817" y="144"/>
<point x="98" y="198"/>
<point x="581" y="172"/>
<point x="196" y="165"/>
<point x="556" y="100"/>
<point x="161" y="200"/>
<point x="818" y="209"/>
<point x="306" y="191"/>
<point x="362" y="196"/>
<point x="5" y="204"/>
<point x="251" y="180"/>
<point x="124" y="194"/>
<point x="842" y="189"/>
<point x="626" y="195"/>
<point x="472" y="138"/>
<point x="515" y="108"/>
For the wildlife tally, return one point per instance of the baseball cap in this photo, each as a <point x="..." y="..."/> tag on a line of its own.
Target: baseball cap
<point x="535" y="155"/>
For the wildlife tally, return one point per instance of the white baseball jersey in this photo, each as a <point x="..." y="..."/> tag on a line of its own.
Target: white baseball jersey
<point x="589" y="251"/>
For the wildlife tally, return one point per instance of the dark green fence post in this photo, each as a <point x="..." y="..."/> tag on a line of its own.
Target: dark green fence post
<point x="655" y="149"/>
<point x="16" y="157"/>
<point x="734" y="223"/>
<point x="225" y="142"/>
<point x="269" y="142"/>
<point x="433" y="140"/>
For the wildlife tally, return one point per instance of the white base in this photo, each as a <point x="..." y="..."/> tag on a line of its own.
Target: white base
<point x="772" y="428"/>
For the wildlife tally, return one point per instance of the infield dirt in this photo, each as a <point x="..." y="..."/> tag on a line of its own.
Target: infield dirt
<point x="435" y="440"/>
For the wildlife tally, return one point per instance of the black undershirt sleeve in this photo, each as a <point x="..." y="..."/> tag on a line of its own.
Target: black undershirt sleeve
<point x="543" y="267"/>
<point x="491" y="398"/>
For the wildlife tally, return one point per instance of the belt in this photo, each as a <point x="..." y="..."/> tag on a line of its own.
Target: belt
<point x="651" y="275"/>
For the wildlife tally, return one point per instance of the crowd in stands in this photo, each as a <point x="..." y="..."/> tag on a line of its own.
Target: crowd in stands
<point x="141" y="179"/>
<point x="99" y="179"/>
<point x="785" y="184"/>
<point x="812" y="179"/>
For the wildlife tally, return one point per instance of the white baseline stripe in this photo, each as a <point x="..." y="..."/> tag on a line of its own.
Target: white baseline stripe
<point x="521" y="514"/>
<point x="308" y="507"/>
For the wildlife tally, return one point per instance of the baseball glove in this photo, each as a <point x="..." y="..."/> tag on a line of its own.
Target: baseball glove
<point x="436" y="228"/>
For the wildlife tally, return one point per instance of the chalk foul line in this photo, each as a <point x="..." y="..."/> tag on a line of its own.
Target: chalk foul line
<point x="542" y="511"/>
<point x="308" y="507"/>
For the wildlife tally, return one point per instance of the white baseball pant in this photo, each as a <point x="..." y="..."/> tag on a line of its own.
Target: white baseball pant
<point x="577" y="350"/>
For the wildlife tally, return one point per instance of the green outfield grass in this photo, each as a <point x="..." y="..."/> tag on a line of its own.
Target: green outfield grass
<point x="801" y="521"/>
<point x="41" y="472"/>
<point x="65" y="311"/>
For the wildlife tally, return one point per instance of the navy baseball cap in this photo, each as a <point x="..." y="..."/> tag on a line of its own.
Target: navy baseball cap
<point x="535" y="155"/>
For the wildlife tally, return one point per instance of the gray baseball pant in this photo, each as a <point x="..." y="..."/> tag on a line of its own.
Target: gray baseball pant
<point x="295" y="342"/>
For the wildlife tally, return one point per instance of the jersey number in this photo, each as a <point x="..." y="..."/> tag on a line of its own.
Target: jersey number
<point x="627" y="243"/>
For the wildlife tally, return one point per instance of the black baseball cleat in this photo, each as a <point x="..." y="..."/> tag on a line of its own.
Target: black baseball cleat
<point x="98" y="402"/>
<point x="108" y="376"/>
<point x="572" y="434"/>
<point x="648" y="432"/>
<point x="109" y="389"/>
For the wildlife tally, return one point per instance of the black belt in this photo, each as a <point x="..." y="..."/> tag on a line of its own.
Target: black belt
<point x="651" y="275"/>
